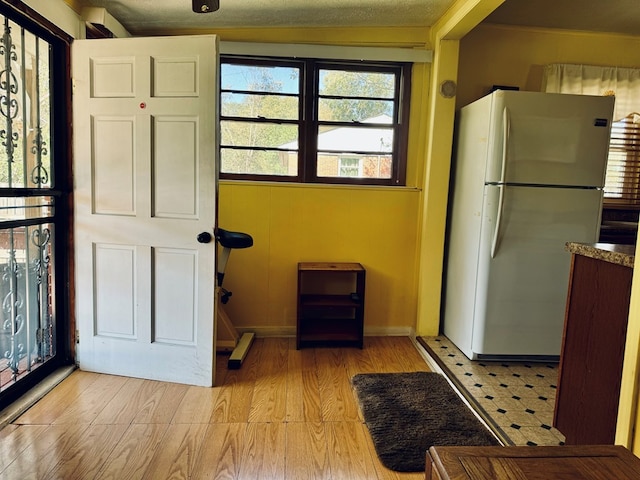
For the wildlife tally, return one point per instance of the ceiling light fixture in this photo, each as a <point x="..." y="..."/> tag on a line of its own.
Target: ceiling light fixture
<point x="205" y="6"/>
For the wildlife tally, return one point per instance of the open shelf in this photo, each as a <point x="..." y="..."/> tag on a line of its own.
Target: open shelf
<point x="330" y="304"/>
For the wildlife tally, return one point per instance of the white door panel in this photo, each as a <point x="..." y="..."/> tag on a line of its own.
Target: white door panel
<point x="145" y="116"/>
<point x="522" y="289"/>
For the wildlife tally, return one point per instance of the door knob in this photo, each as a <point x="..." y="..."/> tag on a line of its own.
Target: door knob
<point x="204" y="237"/>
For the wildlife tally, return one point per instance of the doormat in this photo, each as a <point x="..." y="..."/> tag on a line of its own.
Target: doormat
<point x="406" y="413"/>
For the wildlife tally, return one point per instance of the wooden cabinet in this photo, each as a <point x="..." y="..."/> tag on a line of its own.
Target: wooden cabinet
<point x="593" y="344"/>
<point x="330" y="304"/>
<point x="604" y="462"/>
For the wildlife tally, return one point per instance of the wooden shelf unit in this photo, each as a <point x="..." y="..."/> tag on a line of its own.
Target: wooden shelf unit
<point x="330" y="304"/>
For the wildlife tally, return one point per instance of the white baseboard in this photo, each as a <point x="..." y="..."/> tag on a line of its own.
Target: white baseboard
<point x="290" y="331"/>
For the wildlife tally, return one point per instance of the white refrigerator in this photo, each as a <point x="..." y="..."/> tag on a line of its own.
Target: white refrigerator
<point x="527" y="177"/>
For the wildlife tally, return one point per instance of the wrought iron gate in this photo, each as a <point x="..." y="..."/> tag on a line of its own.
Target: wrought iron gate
<point x="30" y="201"/>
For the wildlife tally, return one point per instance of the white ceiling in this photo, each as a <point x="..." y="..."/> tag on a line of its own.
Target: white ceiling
<point x="156" y="16"/>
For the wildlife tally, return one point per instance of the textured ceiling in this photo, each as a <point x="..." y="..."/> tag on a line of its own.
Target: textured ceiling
<point x="158" y="16"/>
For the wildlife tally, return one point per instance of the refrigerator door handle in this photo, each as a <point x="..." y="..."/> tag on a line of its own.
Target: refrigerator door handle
<point x="506" y="126"/>
<point x="506" y="131"/>
<point x="496" y="230"/>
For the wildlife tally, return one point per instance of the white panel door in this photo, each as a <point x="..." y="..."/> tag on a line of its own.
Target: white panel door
<point x="145" y="148"/>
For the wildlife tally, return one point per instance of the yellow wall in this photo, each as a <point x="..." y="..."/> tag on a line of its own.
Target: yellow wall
<point x="500" y="55"/>
<point x="497" y="55"/>
<point x="290" y="223"/>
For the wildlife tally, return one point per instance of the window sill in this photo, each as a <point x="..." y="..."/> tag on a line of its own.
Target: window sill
<point x="324" y="186"/>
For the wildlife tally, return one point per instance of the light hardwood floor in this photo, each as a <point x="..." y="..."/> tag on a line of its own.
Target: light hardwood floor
<point x="286" y="414"/>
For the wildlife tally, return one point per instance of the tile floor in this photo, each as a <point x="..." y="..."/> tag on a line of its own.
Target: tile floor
<point x="516" y="399"/>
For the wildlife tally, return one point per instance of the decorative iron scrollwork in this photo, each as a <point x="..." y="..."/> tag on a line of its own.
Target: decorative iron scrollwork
<point x="39" y="174"/>
<point x="8" y="88"/>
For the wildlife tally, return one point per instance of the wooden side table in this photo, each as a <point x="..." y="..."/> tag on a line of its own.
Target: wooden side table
<point x="601" y="462"/>
<point x="330" y="304"/>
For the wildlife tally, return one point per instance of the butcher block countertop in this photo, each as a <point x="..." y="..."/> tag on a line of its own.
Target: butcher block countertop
<point x="600" y="462"/>
<point x="609" y="252"/>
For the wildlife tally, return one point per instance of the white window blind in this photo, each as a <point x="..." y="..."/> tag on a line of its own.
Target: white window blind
<point x="623" y="167"/>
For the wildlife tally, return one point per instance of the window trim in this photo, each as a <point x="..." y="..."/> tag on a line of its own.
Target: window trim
<point x="308" y="122"/>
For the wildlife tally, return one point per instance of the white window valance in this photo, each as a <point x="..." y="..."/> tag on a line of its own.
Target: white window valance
<point x="623" y="83"/>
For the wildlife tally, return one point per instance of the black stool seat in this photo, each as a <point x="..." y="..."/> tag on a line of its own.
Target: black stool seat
<point x="233" y="239"/>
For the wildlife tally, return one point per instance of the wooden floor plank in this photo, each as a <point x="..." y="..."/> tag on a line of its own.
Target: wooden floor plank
<point x="263" y="452"/>
<point x="85" y="457"/>
<point x="176" y="455"/>
<point x="268" y="402"/>
<point x="197" y="405"/>
<point x="133" y="453"/>
<point x="234" y="400"/>
<point x="45" y="452"/>
<point x="221" y="452"/>
<point x="405" y="355"/>
<point x="303" y="390"/>
<point x="14" y="439"/>
<point x="162" y="406"/>
<point x="387" y="358"/>
<point x="306" y="452"/>
<point x="337" y="399"/>
<point x="128" y="401"/>
<point x="52" y="406"/>
<point x="349" y="455"/>
<point x="359" y="360"/>
<point x="87" y="407"/>
<point x="287" y="414"/>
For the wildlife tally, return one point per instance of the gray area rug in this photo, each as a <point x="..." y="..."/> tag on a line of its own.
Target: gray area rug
<point x="407" y="413"/>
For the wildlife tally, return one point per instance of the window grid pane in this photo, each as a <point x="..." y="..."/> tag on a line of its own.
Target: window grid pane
<point x="252" y="106"/>
<point x="258" y="162"/>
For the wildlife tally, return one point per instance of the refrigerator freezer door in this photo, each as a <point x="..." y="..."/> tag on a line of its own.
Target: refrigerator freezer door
<point x="521" y="291"/>
<point x="549" y="139"/>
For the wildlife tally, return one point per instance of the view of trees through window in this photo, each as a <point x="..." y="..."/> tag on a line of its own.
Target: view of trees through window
<point x="269" y="97"/>
<point x="275" y="115"/>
